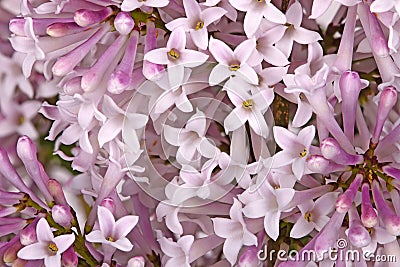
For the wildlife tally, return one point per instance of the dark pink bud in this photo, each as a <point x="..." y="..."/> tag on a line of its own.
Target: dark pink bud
<point x="387" y="101"/>
<point x="69" y="258"/>
<point x="85" y="17"/>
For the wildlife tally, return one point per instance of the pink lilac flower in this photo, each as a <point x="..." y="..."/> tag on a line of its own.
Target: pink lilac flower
<point x="48" y="247"/>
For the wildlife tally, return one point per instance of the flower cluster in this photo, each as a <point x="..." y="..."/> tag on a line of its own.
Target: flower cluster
<point x="198" y="133"/>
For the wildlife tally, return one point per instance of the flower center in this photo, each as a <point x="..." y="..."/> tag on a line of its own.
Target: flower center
<point x="303" y="153"/>
<point x="21" y="120"/>
<point x="52" y="248"/>
<point x="260" y="1"/>
<point x="110" y="239"/>
<point x="308" y="216"/>
<point x="199" y="25"/>
<point x="173" y="54"/>
<point x="247" y="104"/>
<point x="234" y="67"/>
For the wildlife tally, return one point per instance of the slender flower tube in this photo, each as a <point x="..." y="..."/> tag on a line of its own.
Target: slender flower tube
<point x="85" y="17"/>
<point x="57" y="192"/>
<point x="151" y="70"/>
<point x="345" y="200"/>
<point x="350" y="88"/>
<point x="319" y="164"/>
<point x="26" y="150"/>
<point x="389" y="218"/>
<point x="369" y="217"/>
<point x="331" y="150"/>
<point x="386" y="102"/>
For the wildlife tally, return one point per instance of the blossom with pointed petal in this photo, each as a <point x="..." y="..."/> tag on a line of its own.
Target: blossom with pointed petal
<point x="232" y="62"/>
<point x="295" y="148"/>
<point x="48" y="247"/>
<point x="176" y="253"/>
<point x="197" y="21"/>
<point x="113" y="232"/>
<point x="235" y="232"/>
<point x="255" y="11"/>
<point x="176" y="56"/>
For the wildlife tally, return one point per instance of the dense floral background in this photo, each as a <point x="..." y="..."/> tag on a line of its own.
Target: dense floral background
<point x="199" y="133"/>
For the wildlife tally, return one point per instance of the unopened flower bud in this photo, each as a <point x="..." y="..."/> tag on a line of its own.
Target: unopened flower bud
<point x="28" y="234"/>
<point x="249" y="257"/>
<point x="85" y="17"/>
<point x="57" y="192"/>
<point x="369" y="218"/>
<point x="124" y="23"/>
<point x="387" y="101"/>
<point x="345" y="200"/>
<point x="357" y="234"/>
<point x="10" y="255"/>
<point x="109" y="204"/>
<point x="69" y="258"/>
<point x="319" y="164"/>
<point x="63" y="29"/>
<point x="331" y="149"/>
<point x="62" y="215"/>
<point x="137" y="261"/>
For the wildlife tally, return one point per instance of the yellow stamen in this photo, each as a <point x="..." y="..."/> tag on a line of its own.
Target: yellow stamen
<point x="303" y="153"/>
<point x="247" y="104"/>
<point x="53" y="248"/>
<point x="21" y="120"/>
<point x="110" y="239"/>
<point x="308" y="216"/>
<point x="199" y="25"/>
<point x="173" y="54"/>
<point x="234" y="67"/>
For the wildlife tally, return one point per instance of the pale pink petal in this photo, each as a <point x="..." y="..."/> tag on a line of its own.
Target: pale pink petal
<point x="273" y="55"/>
<point x="258" y="124"/>
<point x="186" y="242"/>
<point x="306" y="135"/>
<point x="106" y="221"/>
<point x="303" y="114"/>
<point x="304" y="36"/>
<point x="156" y="3"/>
<point x="271" y="224"/>
<point x="294" y="14"/>
<point x="176" y="23"/>
<point x="110" y="129"/>
<point x="248" y="73"/>
<point x="183" y="103"/>
<point x="231" y="249"/>
<point x="157" y="56"/>
<point x="258" y="208"/>
<point x="43" y="231"/>
<point x="95" y="237"/>
<point x="124" y="225"/>
<point x="212" y="14"/>
<point x="319" y="7"/>
<point x="283" y="196"/>
<point x="301" y="228"/>
<point x="381" y="6"/>
<point x="235" y="119"/>
<point x="171" y="135"/>
<point x="122" y="244"/>
<point x="192" y="9"/>
<point x="273" y="14"/>
<point x="252" y="21"/>
<point x="282" y="158"/>
<point x="175" y="75"/>
<point x="284" y="138"/>
<point x="200" y="38"/>
<point x="225" y="228"/>
<point x="63" y="242"/>
<point x="53" y="261"/>
<point x="171" y="249"/>
<point x="33" y="252"/>
<point x="298" y="167"/>
<point x="221" y="51"/>
<point x="191" y="58"/>
<point x="219" y="74"/>
<point x="207" y="149"/>
<point x="243" y="51"/>
<point x="177" y="40"/>
<point x="129" y="5"/>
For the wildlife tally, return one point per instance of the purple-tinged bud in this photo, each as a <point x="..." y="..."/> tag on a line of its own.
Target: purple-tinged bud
<point x="350" y="87"/>
<point x="390" y="220"/>
<point x="63" y="29"/>
<point x="331" y="150"/>
<point x="69" y="258"/>
<point x="358" y="235"/>
<point x="10" y="174"/>
<point x="67" y="63"/>
<point x="379" y="43"/>
<point x="73" y="86"/>
<point x="137" y="261"/>
<point x="124" y="23"/>
<point x="17" y="26"/>
<point x="109" y="204"/>
<point x="319" y="164"/>
<point x="345" y="200"/>
<point x="86" y="17"/>
<point x="369" y="218"/>
<point x="387" y="101"/>
<point x="28" y="235"/>
<point x="92" y="78"/>
<point x="62" y="215"/>
<point x="121" y="78"/>
<point x="57" y="192"/>
<point x="10" y="255"/>
<point x="150" y="70"/>
<point x="26" y="150"/>
<point x="249" y="257"/>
